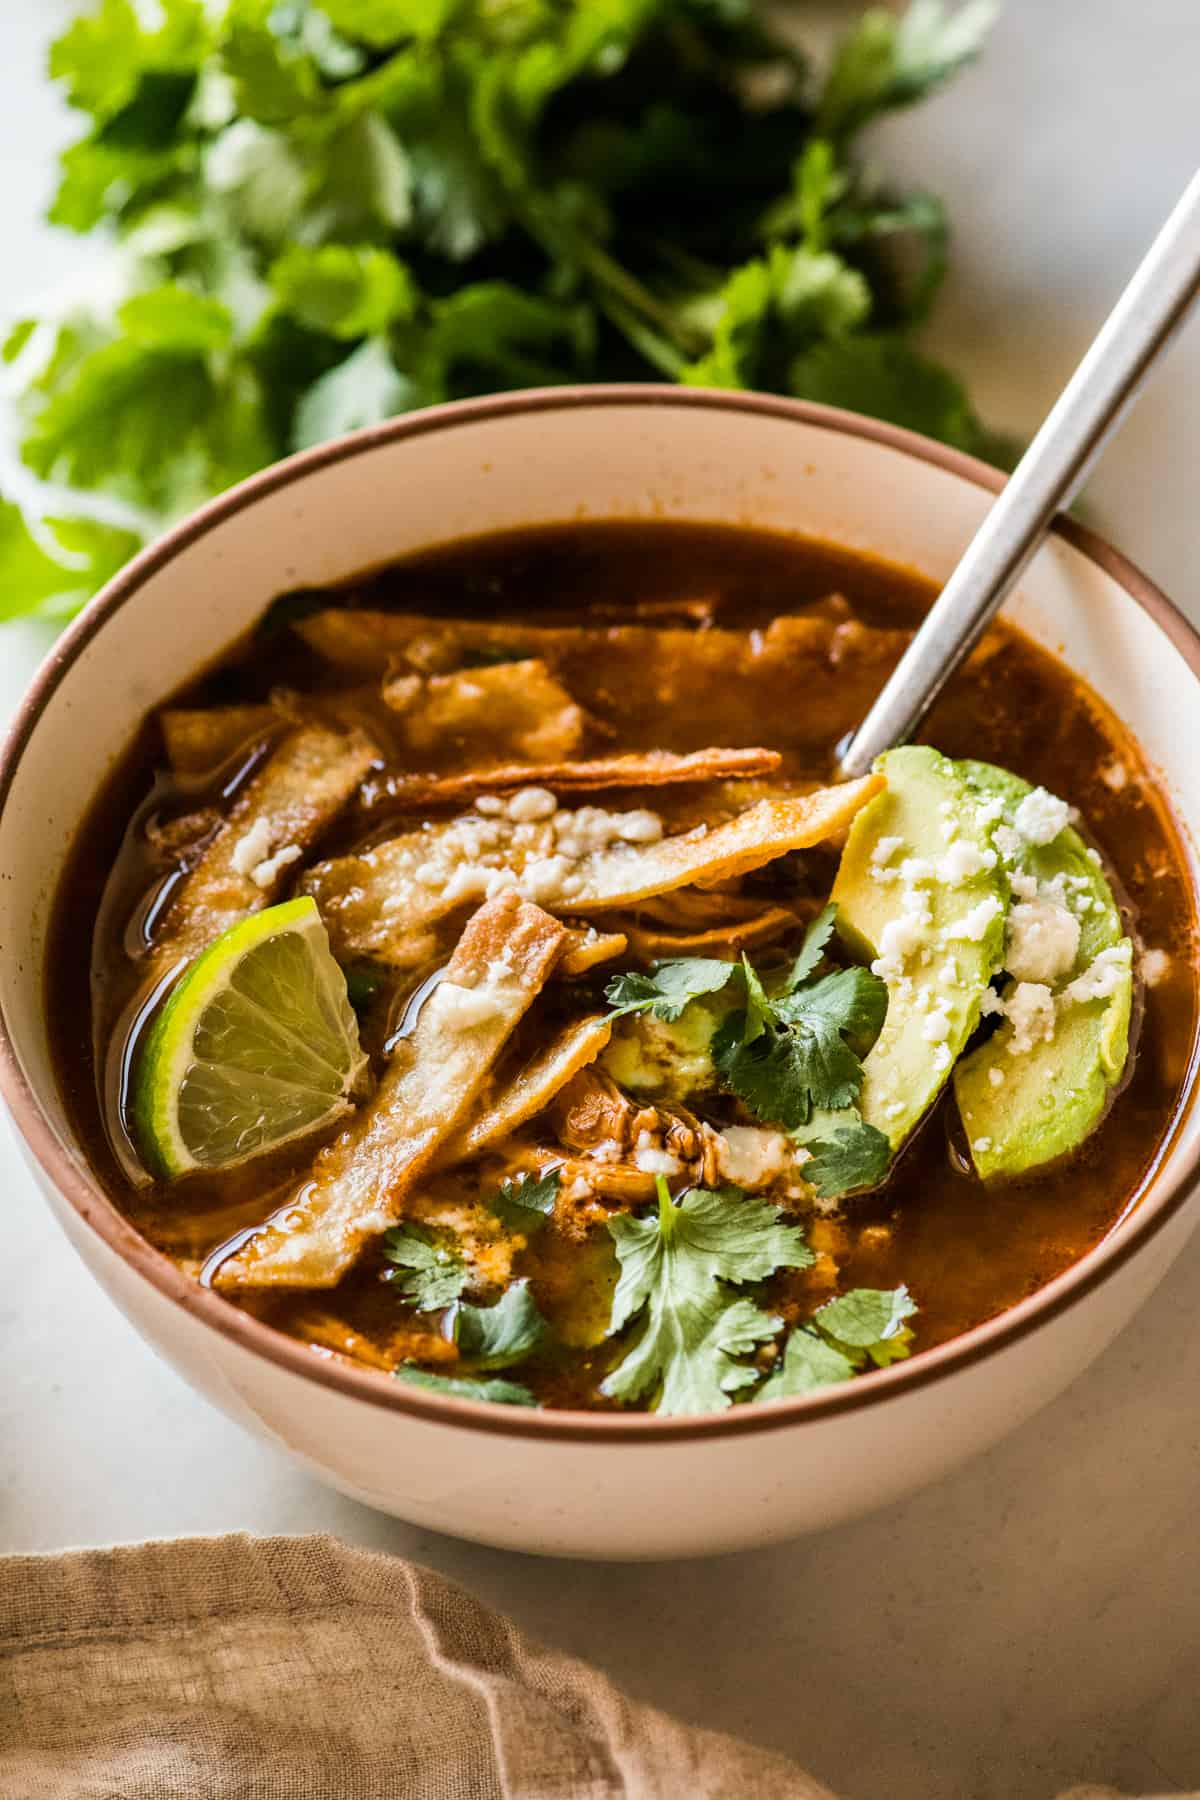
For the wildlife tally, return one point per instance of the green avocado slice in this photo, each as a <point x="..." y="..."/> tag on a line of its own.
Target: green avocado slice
<point x="921" y="895"/>
<point x="1021" y="1111"/>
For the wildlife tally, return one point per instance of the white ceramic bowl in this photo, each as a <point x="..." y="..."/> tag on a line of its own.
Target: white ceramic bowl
<point x="562" y="1483"/>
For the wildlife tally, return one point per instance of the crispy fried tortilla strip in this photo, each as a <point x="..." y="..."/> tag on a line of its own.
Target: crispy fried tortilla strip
<point x="296" y="794"/>
<point x="583" y="949"/>
<point x="359" y="1182"/>
<point x="374" y="905"/>
<point x="329" y="1332"/>
<point x="199" y="739"/>
<point x="810" y="675"/>
<point x="653" y="942"/>
<point x="512" y="710"/>
<point x="653" y="768"/>
<point x="532" y="1088"/>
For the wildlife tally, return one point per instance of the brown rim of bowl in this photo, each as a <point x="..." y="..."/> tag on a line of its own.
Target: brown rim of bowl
<point x="98" y="1212"/>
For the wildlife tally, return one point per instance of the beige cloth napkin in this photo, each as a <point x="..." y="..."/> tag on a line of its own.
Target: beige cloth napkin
<point x="297" y="1669"/>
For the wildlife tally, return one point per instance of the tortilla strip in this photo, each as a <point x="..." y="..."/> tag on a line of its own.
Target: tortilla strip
<point x="358" y="1183"/>
<point x="533" y="1088"/>
<point x="376" y="904"/>
<point x="808" y="674"/>
<point x="298" y="792"/>
<point x="514" y="709"/>
<point x="199" y="739"/>
<point x="583" y="949"/>
<point x="651" y="768"/>
<point x="328" y="1332"/>
<point x="652" y="943"/>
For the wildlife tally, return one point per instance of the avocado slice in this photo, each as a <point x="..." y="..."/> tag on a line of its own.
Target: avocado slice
<point x="1021" y="1111"/>
<point x="922" y="896"/>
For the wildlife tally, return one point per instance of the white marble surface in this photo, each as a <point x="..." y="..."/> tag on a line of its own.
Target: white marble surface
<point x="1032" y="1621"/>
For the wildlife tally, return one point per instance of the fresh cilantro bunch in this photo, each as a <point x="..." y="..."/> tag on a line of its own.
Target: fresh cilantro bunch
<point x="325" y="214"/>
<point x="696" y="1334"/>
<point x="792" y="1052"/>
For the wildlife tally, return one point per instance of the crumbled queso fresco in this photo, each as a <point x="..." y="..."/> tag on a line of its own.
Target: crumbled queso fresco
<point x="526" y="841"/>
<point x="252" y="855"/>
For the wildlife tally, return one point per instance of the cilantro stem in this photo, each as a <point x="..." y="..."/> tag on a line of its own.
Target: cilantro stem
<point x="666" y="1207"/>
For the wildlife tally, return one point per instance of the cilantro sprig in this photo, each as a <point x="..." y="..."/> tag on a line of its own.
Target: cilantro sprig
<point x="695" y="1332"/>
<point x="328" y="213"/>
<point x="434" y="1272"/>
<point x="680" y="1269"/>
<point x="496" y="1336"/>
<point x="792" y="1052"/>
<point x="462" y="1387"/>
<point x="525" y="1205"/>
<point x="862" y="1327"/>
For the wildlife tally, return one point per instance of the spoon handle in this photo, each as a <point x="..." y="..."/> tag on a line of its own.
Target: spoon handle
<point x="1049" y="475"/>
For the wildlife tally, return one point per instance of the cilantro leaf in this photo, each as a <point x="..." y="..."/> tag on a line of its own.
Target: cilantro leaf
<point x="348" y="291"/>
<point x="882" y="375"/>
<point x="460" y="1387"/>
<point x="813" y="947"/>
<point x="864" y="1325"/>
<point x="678" y="1272"/>
<point x="808" y="1055"/>
<point x="854" y="1157"/>
<point x="525" y="1205"/>
<point x="363" y="390"/>
<point x="808" y="1363"/>
<point x="669" y="987"/>
<point x="53" y="568"/>
<point x="438" y="1273"/>
<point x="493" y="1337"/>
<point x="771" y="1075"/>
<point x="887" y="62"/>
<point x="869" y="1322"/>
<point x="760" y="1013"/>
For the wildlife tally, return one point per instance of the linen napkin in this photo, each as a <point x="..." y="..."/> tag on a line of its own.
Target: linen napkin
<point x="283" y="1668"/>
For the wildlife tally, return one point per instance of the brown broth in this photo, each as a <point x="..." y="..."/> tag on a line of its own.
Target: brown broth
<point x="965" y="1252"/>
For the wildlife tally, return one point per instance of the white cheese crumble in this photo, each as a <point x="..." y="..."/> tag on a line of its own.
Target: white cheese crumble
<point x="1153" y="966"/>
<point x="1041" y="816"/>
<point x="751" y="1157"/>
<point x="996" y="1077"/>
<point x="251" y="848"/>
<point x="1114" y="774"/>
<point x="1043" y="940"/>
<point x="1030" y="1009"/>
<point x="1101" y="978"/>
<point x="608" y="1150"/>
<point x="463" y="1006"/>
<point x="1008" y="843"/>
<point x="981" y="1146"/>
<point x="937" y="1027"/>
<point x="531" y="803"/>
<point x="252" y="855"/>
<point x="263" y="875"/>
<point x="884" y="851"/>
<point x="974" y="926"/>
<point x="657" y="1162"/>
<point x="963" y="860"/>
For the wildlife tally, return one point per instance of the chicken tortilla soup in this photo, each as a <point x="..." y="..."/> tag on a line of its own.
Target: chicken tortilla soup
<point x="481" y="975"/>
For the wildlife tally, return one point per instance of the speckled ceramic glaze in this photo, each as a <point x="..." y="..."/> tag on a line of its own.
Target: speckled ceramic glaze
<point x="572" y="1483"/>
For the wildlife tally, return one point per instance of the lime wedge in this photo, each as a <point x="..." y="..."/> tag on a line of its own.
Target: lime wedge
<point x="257" y="1044"/>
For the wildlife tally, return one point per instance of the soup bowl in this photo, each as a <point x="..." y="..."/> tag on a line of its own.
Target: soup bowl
<point x="565" y="1483"/>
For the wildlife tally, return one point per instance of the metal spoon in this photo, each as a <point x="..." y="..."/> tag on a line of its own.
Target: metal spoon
<point x="1049" y="475"/>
